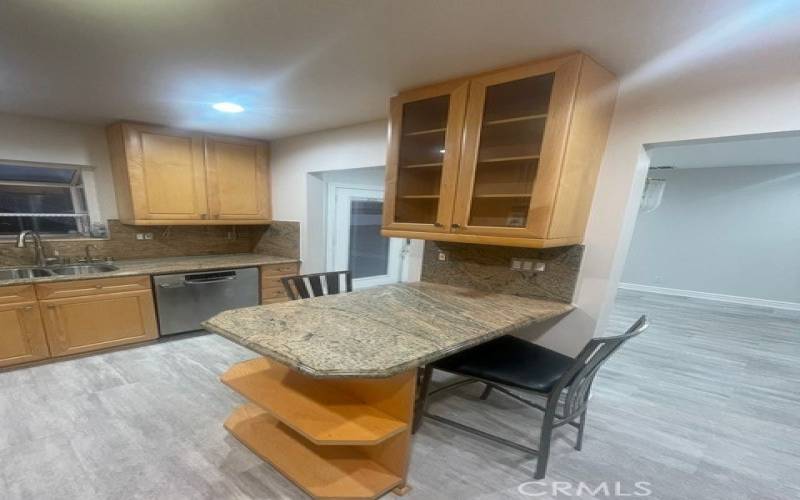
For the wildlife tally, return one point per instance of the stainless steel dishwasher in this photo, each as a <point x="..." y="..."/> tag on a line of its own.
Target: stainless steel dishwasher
<point x="187" y="299"/>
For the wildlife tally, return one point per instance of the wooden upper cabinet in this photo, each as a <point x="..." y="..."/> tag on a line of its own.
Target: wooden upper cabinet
<point x="532" y="141"/>
<point x="166" y="176"/>
<point x="238" y="178"/>
<point x="422" y="166"/>
<point x="159" y="173"/>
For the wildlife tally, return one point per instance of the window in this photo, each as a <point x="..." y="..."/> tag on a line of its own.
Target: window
<point x="51" y="199"/>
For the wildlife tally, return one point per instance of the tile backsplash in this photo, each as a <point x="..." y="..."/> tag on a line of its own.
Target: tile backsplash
<point x="486" y="267"/>
<point x="280" y="238"/>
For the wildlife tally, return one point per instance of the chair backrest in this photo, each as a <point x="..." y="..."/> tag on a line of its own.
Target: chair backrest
<point x="305" y="286"/>
<point x="578" y="379"/>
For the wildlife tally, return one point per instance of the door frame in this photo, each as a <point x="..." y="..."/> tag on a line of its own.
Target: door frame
<point x="333" y="258"/>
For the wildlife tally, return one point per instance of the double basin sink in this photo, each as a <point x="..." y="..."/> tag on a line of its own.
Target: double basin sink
<point x="69" y="270"/>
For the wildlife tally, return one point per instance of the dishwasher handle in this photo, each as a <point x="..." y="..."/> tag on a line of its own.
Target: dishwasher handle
<point x="209" y="278"/>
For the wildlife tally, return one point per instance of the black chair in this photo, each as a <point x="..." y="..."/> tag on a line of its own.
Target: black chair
<point x="509" y="363"/>
<point x="305" y="286"/>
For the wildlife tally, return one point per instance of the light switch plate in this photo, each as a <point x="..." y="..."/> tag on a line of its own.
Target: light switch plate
<point x="516" y="264"/>
<point x="139" y="236"/>
<point x="148" y="236"/>
<point x="442" y="256"/>
<point x="540" y="267"/>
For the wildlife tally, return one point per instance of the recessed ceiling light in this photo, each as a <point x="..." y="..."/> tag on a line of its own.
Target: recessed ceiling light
<point x="228" y="107"/>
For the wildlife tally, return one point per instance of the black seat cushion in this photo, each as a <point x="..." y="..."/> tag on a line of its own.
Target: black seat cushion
<point x="510" y="361"/>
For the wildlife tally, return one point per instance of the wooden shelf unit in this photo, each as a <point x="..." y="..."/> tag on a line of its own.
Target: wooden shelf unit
<point x="333" y="437"/>
<point x="320" y="471"/>
<point x="319" y="411"/>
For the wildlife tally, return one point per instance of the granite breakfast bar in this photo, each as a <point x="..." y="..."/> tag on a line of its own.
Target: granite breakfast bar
<point x="332" y="398"/>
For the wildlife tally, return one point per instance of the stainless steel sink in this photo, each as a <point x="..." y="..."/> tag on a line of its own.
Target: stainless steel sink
<point x="84" y="269"/>
<point x="21" y="273"/>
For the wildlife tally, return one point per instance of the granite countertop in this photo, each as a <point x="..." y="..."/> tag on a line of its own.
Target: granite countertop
<point x="381" y="331"/>
<point x="165" y="265"/>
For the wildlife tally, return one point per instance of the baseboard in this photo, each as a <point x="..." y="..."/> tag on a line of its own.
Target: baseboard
<point x="734" y="299"/>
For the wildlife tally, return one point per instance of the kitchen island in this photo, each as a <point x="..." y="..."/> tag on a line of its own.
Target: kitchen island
<point x="332" y="398"/>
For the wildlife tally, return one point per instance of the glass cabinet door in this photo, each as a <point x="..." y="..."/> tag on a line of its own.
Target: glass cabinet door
<point x="422" y="168"/>
<point x="514" y="123"/>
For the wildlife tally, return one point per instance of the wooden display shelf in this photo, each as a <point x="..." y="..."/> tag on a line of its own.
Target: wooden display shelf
<point x="502" y="195"/>
<point x="422" y="165"/>
<point x="321" y="471"/>
<point x="516" y="119"/>
<point x="509" y="158"/>
<point x="418" y="196"/>
<point x="317" y="409"/>
<point x="425" y="132"/>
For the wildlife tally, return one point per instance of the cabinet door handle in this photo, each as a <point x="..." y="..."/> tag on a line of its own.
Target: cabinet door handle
<point x="28" y="308"/>
<point x="455" y="226"/>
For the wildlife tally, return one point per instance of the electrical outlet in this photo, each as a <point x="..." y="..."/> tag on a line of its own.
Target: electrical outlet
<point x="442" y="256"/>
<point x="540" y="267"/>
<point x="139" y="236"/>
<point x="148" y="236"/>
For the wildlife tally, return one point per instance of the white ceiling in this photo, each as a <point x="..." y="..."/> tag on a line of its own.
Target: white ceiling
<point x="303" y="65"/>
<point x="758" y="150"/>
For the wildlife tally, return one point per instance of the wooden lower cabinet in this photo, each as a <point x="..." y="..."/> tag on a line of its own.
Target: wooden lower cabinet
<point x="87" y="323"/>
<point x="22" y="337"/>
<point x="272" y="290"/>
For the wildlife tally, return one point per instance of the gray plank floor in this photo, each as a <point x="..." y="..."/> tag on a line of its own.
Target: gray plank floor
<point x="703" y="406"/>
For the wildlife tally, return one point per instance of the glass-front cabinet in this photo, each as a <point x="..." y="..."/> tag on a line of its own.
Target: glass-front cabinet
<point x="508" y="158"/>
<point x="515" y="122"/>
<point x="422" y="168"/>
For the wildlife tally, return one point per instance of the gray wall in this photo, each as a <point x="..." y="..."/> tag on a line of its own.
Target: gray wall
<point x="728" y="230"/>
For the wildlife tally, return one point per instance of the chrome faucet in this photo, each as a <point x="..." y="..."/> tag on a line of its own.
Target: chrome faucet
<point x="39" y="257"/>
<point x="88" y="250"/>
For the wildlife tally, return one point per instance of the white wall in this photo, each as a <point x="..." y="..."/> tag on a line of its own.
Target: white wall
<point x="300" y="196"/>
<point x="730" y="231"/>
<point x="39" y="140"/>
<point x="714" y="99"/>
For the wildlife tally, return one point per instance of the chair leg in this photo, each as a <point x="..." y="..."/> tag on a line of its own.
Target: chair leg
<point x="486" y="392"/>
<point x="545" y="437"/>
<point x="581" y="425"/>
<point x="422" y="398"/>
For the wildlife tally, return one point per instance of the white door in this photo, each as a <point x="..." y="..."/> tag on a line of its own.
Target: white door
<point x="354" y="237"/>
